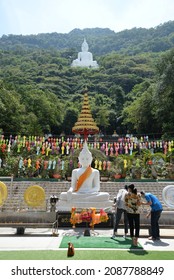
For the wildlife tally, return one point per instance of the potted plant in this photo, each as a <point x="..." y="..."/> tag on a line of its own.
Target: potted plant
<point x="70" y="163"/>
<point x="115" y="173"/>
<point x="104" y="175"/>
<point x="170" y="164"/>
<point x="119" y="167"/>
<point x="136" y="168"/>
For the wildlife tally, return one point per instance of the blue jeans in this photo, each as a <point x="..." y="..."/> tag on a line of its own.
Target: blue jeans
<point x="155" y="215"/>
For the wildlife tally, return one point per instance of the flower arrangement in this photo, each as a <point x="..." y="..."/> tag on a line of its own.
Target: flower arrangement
<point x="89" y="216"/>
<point x="86" y="215"/>
<point x="75" y="217"/>
<point x="103" y="216"/>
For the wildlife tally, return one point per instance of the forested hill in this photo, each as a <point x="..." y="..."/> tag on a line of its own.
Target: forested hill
<point x="101" y="41"/>
<point x="132" y="90"/>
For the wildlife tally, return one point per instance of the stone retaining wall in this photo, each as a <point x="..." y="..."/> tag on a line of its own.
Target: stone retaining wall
<point x="15" y="201"/>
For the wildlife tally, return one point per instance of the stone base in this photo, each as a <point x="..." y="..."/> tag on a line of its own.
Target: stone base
<point x="87" y="232"/>
<point x="67" y="206"/>
<point x="64" y="221"/>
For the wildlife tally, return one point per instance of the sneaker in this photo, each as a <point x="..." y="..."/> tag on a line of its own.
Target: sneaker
<point x="135" y="242"/>
<point x="114" y="234"/>
<point x="125" y="235"/>
<point x="151" y="238"/>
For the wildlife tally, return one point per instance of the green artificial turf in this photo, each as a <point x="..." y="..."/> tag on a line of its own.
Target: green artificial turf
<point x="132" y="254"/>
<point x="98" y="242"/>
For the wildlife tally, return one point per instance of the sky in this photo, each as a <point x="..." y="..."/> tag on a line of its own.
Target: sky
<point x="28" y="17"/>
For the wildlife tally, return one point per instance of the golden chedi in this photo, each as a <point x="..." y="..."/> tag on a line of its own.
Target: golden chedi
<point x="85" y="124"/>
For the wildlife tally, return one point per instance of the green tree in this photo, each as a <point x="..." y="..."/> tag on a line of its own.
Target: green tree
<point x="102" y="118"/>
<point x="117" y="96"/>
<point x="11" y="110"/>
<point x="138" y="115"/>
<point x="46" y="107"/>
<point x="164" y="95"/>
<point x="70" y="118"/>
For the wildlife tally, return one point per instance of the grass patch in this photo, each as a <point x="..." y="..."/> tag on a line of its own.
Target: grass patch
<point x="88" y="255"/>
<point x="98" y="242"/>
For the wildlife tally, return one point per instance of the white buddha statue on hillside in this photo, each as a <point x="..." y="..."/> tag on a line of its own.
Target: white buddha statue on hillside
<point x="85" y="58"/>
<point x="85" y="187"/>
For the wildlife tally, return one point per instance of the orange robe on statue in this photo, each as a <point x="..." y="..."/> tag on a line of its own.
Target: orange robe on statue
<point x="83" y="177"/>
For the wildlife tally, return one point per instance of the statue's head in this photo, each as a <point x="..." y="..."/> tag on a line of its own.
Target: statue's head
<point x="84" y="46"/>
<point x="85" y="156"/>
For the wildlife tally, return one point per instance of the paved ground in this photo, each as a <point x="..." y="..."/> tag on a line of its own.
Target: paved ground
<point x="42" y="239"/>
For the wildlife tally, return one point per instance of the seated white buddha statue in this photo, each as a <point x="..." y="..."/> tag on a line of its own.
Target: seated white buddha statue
<point x="85" y="187"/>
<point x="85" y="58"/>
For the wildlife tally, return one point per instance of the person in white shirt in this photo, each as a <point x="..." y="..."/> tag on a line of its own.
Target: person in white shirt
<point x="121" y="210"/>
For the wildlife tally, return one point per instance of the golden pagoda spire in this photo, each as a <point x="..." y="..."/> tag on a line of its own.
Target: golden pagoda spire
<point x="85" y="123"/>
